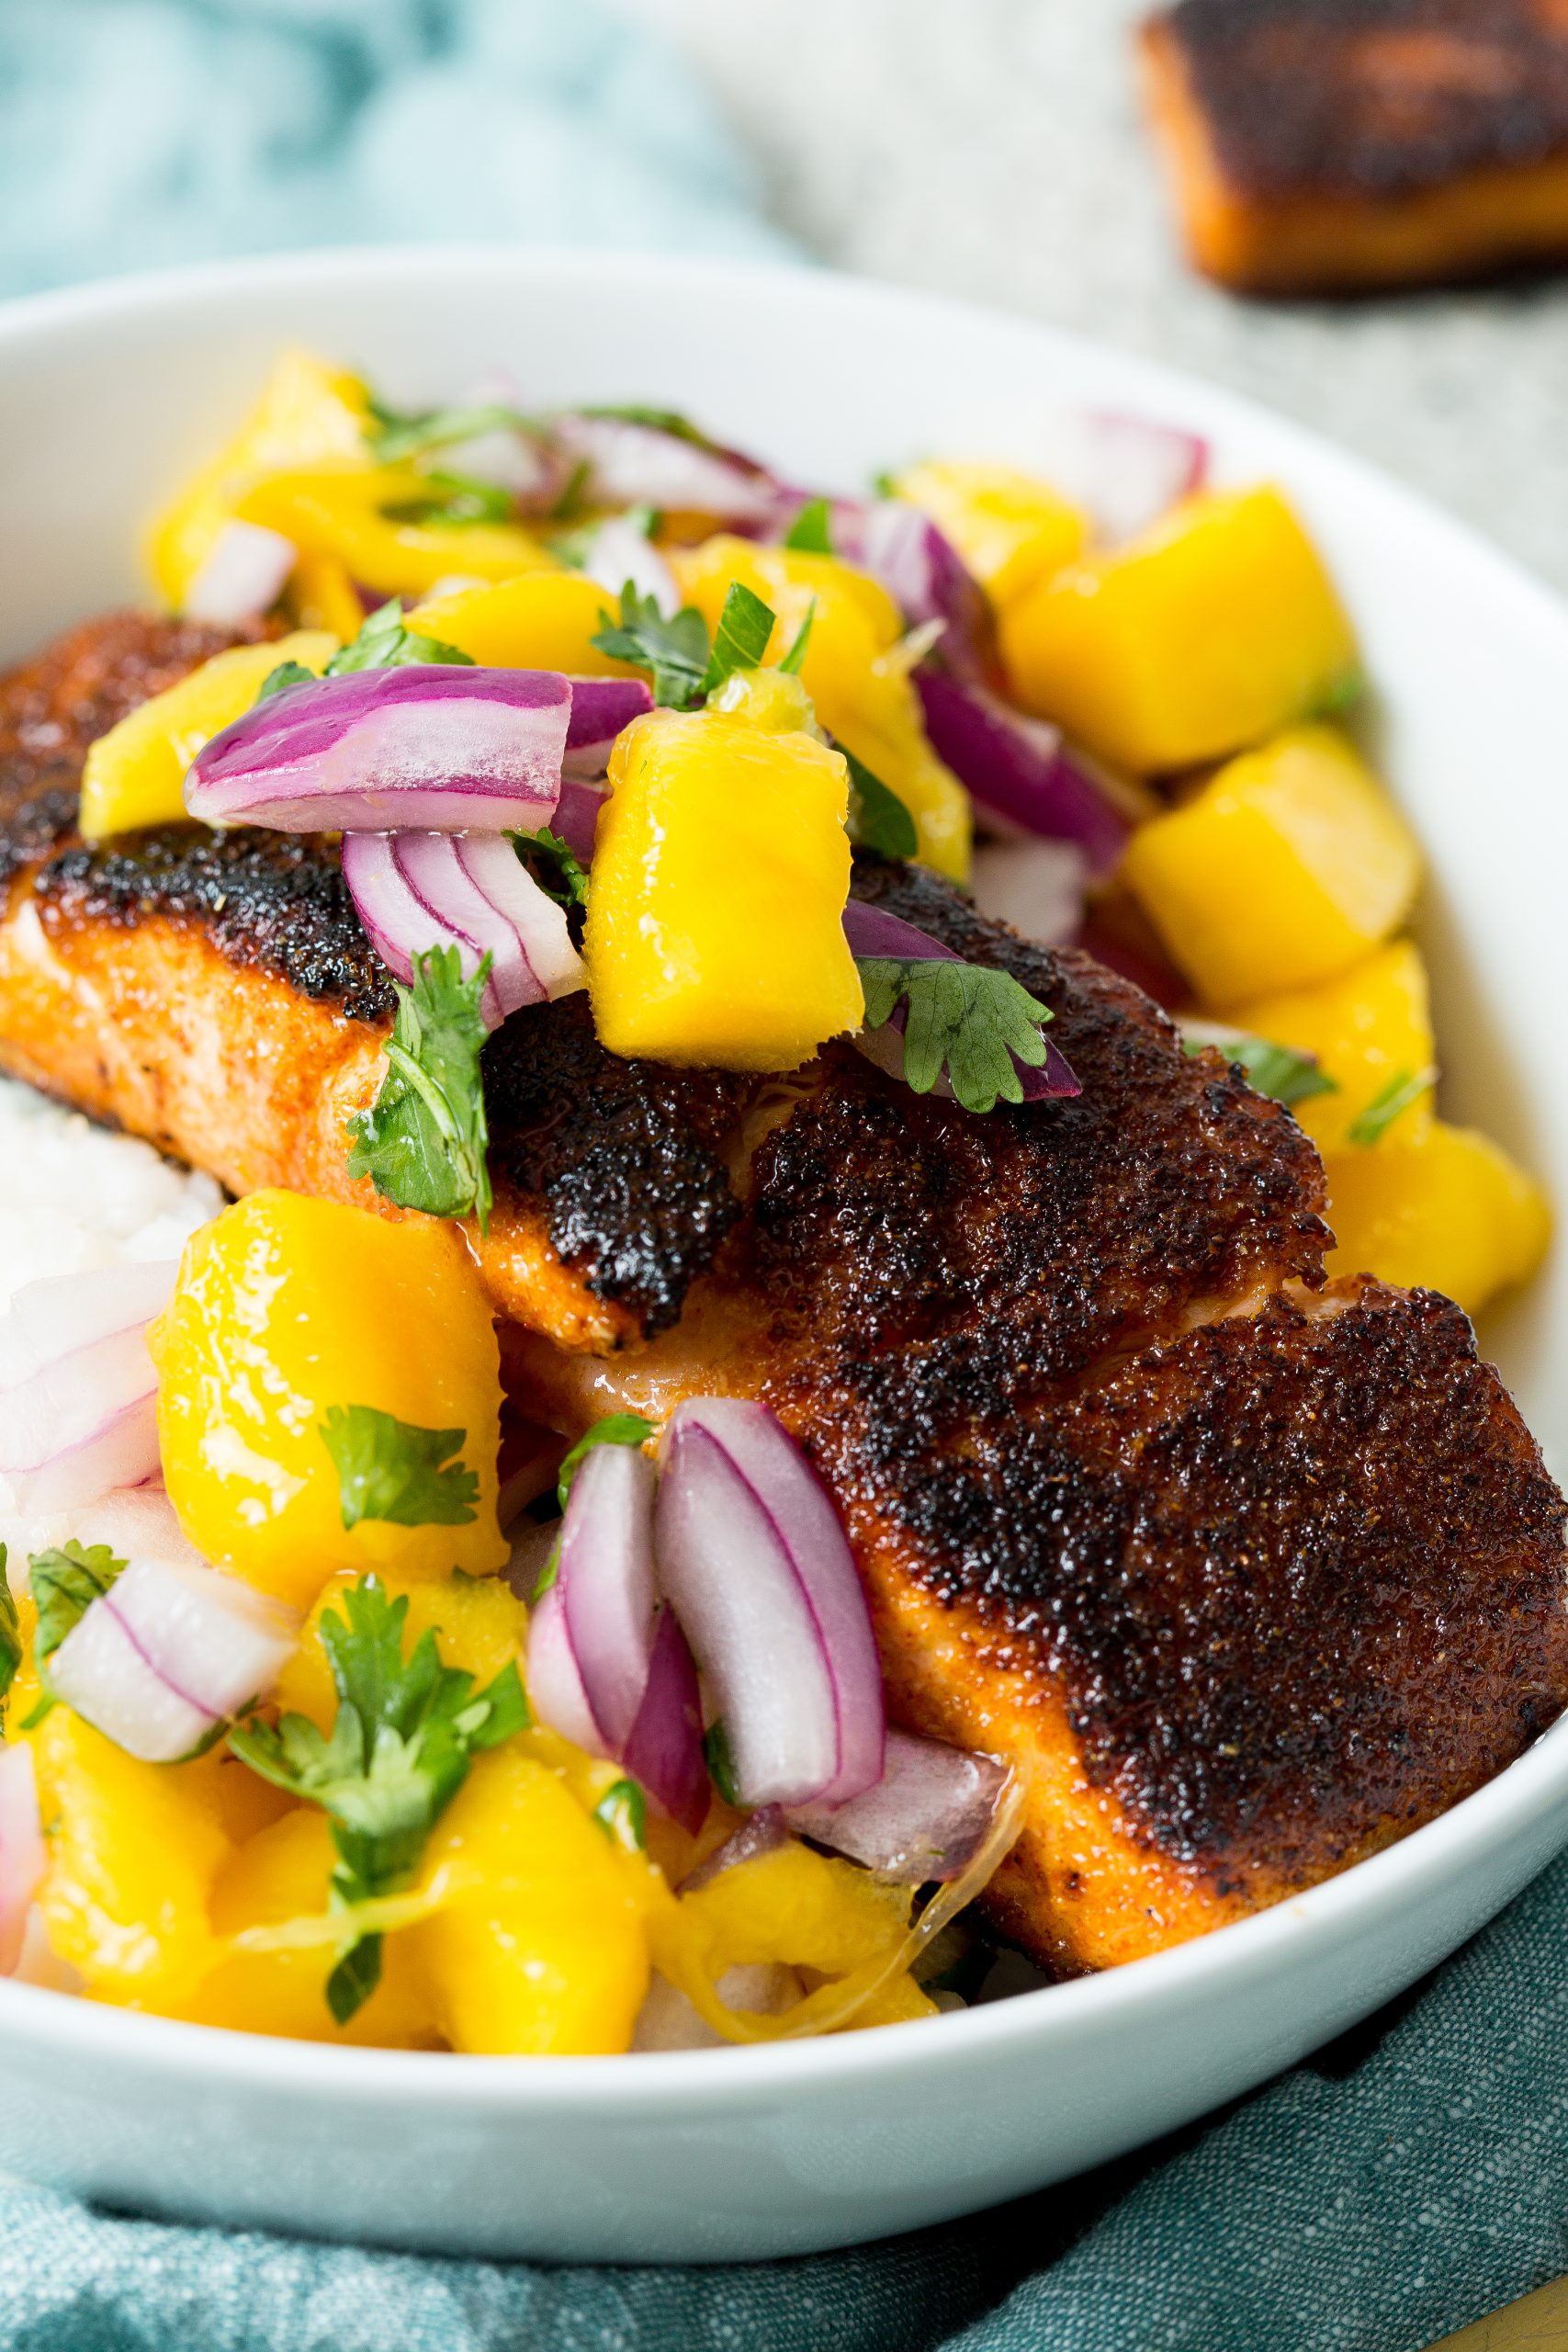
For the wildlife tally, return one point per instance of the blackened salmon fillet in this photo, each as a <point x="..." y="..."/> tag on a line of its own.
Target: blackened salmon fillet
<point x="1246" y="1575"/>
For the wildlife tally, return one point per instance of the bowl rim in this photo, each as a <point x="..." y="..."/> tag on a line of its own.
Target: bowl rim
<point x="678" y="2083"/>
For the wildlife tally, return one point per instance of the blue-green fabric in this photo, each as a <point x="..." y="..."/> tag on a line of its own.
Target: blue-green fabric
<point x="1371" y="2203"/>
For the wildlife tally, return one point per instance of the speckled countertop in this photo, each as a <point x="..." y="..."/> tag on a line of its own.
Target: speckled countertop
<point x="992" y="149"/>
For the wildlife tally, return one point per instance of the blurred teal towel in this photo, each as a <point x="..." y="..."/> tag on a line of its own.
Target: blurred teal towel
<point x="1370" y="2203"/>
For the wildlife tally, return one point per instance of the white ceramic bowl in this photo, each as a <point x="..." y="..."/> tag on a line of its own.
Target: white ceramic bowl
<point x="106" y="397"/>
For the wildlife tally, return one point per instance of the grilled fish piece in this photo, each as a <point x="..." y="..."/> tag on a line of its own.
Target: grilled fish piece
<point x="1330" y="145"/>
<point x="1245" y="1575"/>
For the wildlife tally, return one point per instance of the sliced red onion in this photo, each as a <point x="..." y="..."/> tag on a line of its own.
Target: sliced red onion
<point x="413" y="891"/>
<point x="762" y="1832"/>
<point x="1019" y="768"/>
<point x="872" y="931"/>
<point x="605" y="1572"/>
<point x="753" y="1558"/>
<point x="23" y="1854"/>
<point x="921" y="570"/>
<point x="1127" y="470"/>
<point x="665" y="1748"/>
<point x="554" y="1686"/>
<point x="443" y="748"/>
<point x="242" y="574"/>
<point x="633" y="464"/>
<point x="926" y="1818"/>
<point x="601" y="707"/>
<point x="168" y="1653"/>
<point x="577" y="817"/>
<point x="1037" y="887"/>
<point x="619" y="553"/>
<point x="78" y="1403"/>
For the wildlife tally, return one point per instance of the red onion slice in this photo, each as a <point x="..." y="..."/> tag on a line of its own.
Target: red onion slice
<point x="1017" y="767"/>
<point x="605" y="1572"/>
<point x="762" y="1832"/>
<point x="554" y="1686"/>
<point x="413" y="891"/>
<point x="442" y="748"/>
<point x="926" y="1818"/>
<point x="24" y="1857"/>
<point x="631" y="463"/>
<point x="619" y="553"/>
<point x="1035" y="886"/>
<point x="600" y="708"/>
<point x="872" y="932"/>
<point x="78" y="1407"/>
<point x="577" y="817"/>
<point x="1127" y="470"/>
<point x="921" y="570"/>
<point x="168" y="1653"/>
<point x="665" y="1748"/>
<point x="242" y="575"/>
<point x="754" y="1560"/>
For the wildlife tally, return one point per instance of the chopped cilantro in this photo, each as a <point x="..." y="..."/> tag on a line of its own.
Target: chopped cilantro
<point x="674" y="651"/>
<point x="878" y="819"/>
<point x="741" y="640"/>
<point x="573" y="497"/>
<point x="663" y="420"/>
<point x="811" y="532"/>
<point x="384" y="643"/>
<point x="796" y="654"/>
<point x="554" y="864"/>
<point x="1402" y="1089"/>
<point x="405" y="1733"/>
<point x="286" y="674"/>
<point x="616" y="1428"/>
<point x="622" y="1815"/>
<point x="453" y="502"/>
<point x="884" y="484"/>
<point x="965" y="1019"/>
<point x="394" y="1471"/>
<point x="720" y="1762"/>
<point x="65" y="1583"/>
<point x="395" y="437"/>
<point x="1338" y="694"/>
<point x="10" y="1630"/>
<point x="424" y="1141"/>
<point x="1273" y="1069"/>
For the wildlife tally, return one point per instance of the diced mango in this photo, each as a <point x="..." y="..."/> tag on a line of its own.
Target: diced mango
<point x="1215" y="626"/>
<point x="478" y="1622"/>
<point x="855" y="678"/>
<point x="1012" y="529"/>
<point x="135" y="775"/>
<point x="721" y="870"/>
<point x="346" y="510"/>
<point x="282" y="1873"/>
<point x="544" y="620"/>
<point x="134" y="1851"/>
<point x="1285" y="868"/>
<point x="1369" y="1029"/>
<point x="322" y="596"/>
<point x="1449" y="1212"/>
<point x="543" y="1950"/>
<point x="807" y="1909"/>
<point x="285" y="1306"/>
<point x="308" y="412"/>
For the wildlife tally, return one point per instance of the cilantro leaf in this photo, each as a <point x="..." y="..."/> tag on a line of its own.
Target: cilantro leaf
<point x="383" y="643"/>
<point x="878" y="819"/>
<point x="554" y="864"/>
<point x="622" y="1815"/>
<point x="405" y="1733"/>
<point x="796" y="654"/>
<point x="10" y="1630"/>
<point x="424" y="1141"/>
<point x="394" y="1471"/>
<point x="286" y="674"/>
<point x="1402" y="1089"/>
<point x="720" y="1761"/>
<point x="65" y="1583"/>
<point x="741" y="640"/>
<point x="616" y="1428"/>
<point x="663" y="420"/>
<point x="1279" y="1072"/>
<point x="674" y="651"/>
<point x="395" y="437"/>
<point x="453" y="502"/>
<point x="965" y="1019"/>
<point x="811" y="531"/>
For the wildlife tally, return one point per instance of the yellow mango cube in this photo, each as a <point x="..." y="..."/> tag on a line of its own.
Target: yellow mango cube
<point x="1012" y="529"/>
<point x="285" y="1308"/>
<point x="349" y="512"/>
<point x="542" y="1949"/>
<point x="1288" y="866"/>
<point x="1367" y="1030"/>
<point x="1207" y="632"/>
<point x="134" y="1851"/>
<point x="478" y="1622"/>
<point x="721" y="870"/>
<point x="857" y="680"/>
<point x="135" y="775"/>
<point x="322" y="596"/>
<point x="1449" y="1212"/>
<point x="543" y="620"/>
<point x="308" y="413"/>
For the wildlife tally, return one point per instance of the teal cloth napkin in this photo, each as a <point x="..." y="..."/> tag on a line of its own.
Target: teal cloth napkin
<point x="1411" y="2179"/>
